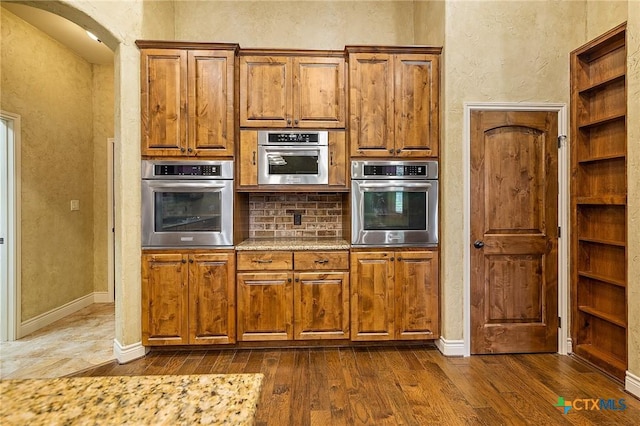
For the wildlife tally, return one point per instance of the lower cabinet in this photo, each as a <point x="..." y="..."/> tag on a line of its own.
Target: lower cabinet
<point x="296" y="295"/>
<point x="394" y="295"/>
<point x="188" y="298"/>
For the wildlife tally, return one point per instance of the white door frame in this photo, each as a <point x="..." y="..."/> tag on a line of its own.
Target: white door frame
<point x="110" y="223"/>
<point x="563" y="214"/>
<point x="10" y="250"/>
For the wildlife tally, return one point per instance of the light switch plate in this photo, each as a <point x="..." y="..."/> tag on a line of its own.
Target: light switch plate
<point x="75" y="205"/>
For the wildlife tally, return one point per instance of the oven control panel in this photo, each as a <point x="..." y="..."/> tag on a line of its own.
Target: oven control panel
<point x="190" y="170"/>
<point x="394" y="169"/>
<point x="187" y="170"/>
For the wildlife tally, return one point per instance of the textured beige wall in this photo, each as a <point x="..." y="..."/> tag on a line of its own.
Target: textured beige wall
<point x="602" y="15"/>
<point x="428" y="22"/>
<point x="296" y="24"/>
<point x="102" y="90"/>
<point x="495" y="51"/>
<point x="50" y="88"/>
<point x="633" y="182"/>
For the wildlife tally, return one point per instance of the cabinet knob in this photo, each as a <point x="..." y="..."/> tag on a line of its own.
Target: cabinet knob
<point x="288" y="121"/>
<point x="297" y="280"/>
<point x="391" y="151"/>
<point x="288" y="280"/>
<point x="182" y="150"/>
<point x="296" y="122"/>
<point x="392" y="258"/>
<point x="190" y="149"/>
<point x="398" y="151"/>
<point x="400" y="259"/>
<point x="184" y="261"/>
<point x="190" y="260"/>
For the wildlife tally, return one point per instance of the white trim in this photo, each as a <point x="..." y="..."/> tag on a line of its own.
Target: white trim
<point x="632" y="384"/>
<point x="102" y="297"/>
<point x="42" y="320"/>
<point x="110" y="223"/>
<point x="569" y="345"/>
<point x="11" y="320"/>
<point x="125" y="354"/>
<point x="563" y="213"/>
<point x="450" y="347"/>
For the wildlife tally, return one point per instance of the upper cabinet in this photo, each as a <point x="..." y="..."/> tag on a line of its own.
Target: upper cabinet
<point x="187" y="99"/>
<point x="394" y="97"/>
<point x="292" y="90"/>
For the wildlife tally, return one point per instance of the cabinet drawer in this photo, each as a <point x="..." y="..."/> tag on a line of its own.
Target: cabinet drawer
<point x="264" y="260"/>
<point x="321" y="260"/>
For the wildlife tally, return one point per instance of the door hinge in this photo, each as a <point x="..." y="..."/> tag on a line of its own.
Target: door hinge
<point x="1" y="240"/>
<point x="559" y="232"/>
<point x="562" y="139"/>
<point x="559" y="322"/>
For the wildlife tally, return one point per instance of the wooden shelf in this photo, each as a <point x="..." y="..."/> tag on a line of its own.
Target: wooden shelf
<point x="603" y="316"/>
<point x="605" y="200"/>
<point x="603" y="158"/>
<point x="603" y="359"/>
<point x="601" y="241"/>
<point x="602" y="84"/>
<point x="601" y="121"/>
<point x="603" y="278"/>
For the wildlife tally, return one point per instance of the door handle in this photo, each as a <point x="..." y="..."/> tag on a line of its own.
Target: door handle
<point x="478" y="244"/>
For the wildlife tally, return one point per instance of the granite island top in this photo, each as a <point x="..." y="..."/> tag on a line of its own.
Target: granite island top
<point x="293" y="244"/>
<point x="212" y="399"/>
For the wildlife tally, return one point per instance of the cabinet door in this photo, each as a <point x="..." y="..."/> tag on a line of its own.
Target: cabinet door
<point x="163" y="102"/>
<point x="318" y="92"/>
<point x="164" y="299"/>
<point x="211" y="102"/>
<point x="417" y="289"/>
<point x="416" y="105"/>
<point x="212" y="306"/>
<point x="248" y="165"/>
<point x="265" y="91"/>
<point x="265" y="306"/>
<point x="371" y="105"/>
<point x="372" y="296"/>
<point x="321" y="305"/>
<point x="337" y="159"/>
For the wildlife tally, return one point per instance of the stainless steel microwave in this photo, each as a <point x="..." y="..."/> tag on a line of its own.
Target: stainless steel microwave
<point x="289" y="157"/>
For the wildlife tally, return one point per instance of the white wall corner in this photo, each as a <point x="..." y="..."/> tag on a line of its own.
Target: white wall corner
<point x="632" y="384"/>
<point x="450" y="347"/>
<point x="102" y="297"/>
<point x="125" y="354"/>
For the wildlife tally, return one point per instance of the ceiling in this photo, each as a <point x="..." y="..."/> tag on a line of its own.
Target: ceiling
<point x="64" y="31"/>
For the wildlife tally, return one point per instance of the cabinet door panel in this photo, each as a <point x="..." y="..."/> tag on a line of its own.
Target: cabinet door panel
<point x="265" y="306"/>
<point x="265" y="91"/>
<point x="211" y="298"/>
<point x="164" y="299"/>
<point x="338" y="159"/>
<point x="211" y="100"/>
<point x="371" y="105"/>
<point x="248" y="164"/>
<point x="372" y="290"/>
<point x="321" y="305"/>
<point x="417" y="289"/>
<point x="318" y="92"/>
<point x="416" y="105"/>
<point x="163" y="101"/>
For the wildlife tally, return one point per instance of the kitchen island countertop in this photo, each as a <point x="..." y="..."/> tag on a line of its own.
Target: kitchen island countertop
<point x="213" y="399"/>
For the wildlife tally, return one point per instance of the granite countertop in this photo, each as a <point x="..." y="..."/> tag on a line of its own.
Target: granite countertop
<point x="212" y="399"/>
<point x="293" y="244"/>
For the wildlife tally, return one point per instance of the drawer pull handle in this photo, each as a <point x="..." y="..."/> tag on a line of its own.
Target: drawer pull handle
<point x="263" y="261"/>
<point x="322" y="261"/>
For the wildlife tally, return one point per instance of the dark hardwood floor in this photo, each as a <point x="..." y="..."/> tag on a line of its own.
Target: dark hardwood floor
<point x="404" y="386"/>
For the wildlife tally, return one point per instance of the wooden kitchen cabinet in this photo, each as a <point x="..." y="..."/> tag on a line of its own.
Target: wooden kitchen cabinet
<point x="599" y="227"/>
<point x="394" y="295"/>
<point x="285" y="301"/>
<point x="247" y="167"/>
<point x="394" y="101"/>
<point x="187" y="99"/>
<point x="188" y="298"/>
<point x="292" y="90"/>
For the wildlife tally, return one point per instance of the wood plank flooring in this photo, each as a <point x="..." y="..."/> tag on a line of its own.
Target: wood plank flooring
<point x="403" y="386"/>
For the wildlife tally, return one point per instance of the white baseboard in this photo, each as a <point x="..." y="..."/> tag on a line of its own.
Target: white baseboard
<point x="450" y="347"/>
<point x="102" y="297"/>
<point x="42" y="320"/>
<point x="125" y="354"/>
<point x="632" y="384"/>
<point x="569" y="346"/>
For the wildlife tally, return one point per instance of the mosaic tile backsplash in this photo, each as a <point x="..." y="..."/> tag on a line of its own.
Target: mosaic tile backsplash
<point x="271" y="215"/>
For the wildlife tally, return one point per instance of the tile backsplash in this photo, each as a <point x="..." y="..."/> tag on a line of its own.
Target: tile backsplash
<point x="271" y="215"/>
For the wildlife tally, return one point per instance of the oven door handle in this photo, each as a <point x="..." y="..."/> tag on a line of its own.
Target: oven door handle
<point x="391" y="187"/>
<point x="186" y="185"/>
<point x="292" y="150"/>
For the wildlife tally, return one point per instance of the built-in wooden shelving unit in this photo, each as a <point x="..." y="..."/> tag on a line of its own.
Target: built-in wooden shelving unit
<point x="598" y="202"/>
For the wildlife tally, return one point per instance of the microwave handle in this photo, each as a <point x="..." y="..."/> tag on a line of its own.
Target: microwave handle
<point x="292" y="150"/>
<point x="185" y="185"/>
<point x="402" y="185"/>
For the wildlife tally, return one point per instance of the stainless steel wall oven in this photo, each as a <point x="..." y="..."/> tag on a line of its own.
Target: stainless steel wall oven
<point x="287" y="157"/>
<point x="187" y="203"/>
<point x="394" y="203"/>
